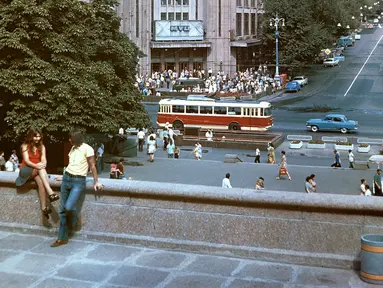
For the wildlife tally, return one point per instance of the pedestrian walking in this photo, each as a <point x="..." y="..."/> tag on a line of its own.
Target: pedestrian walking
<point x="165" y="136"/>
<point x="33" y="167"/>
<point x="81" y="159"/>
<point x="260" y="184"/>
<point x="257" y="156"/>
<point x="378" y="183"/>
<point x="170" y="147"/>
<point x="195" y="152"/>
<point x="171" y="133"/>
<point x="363" y="187"/>
<point x="313" y="182"/>
<point x="177" y="152"/>
<point x="2" y="161"/>
<point x="100" y="159"/>
<point x="283" y="167"/>
<point x="271" y="154"/>
<point x="337" y="162"/>
<point x="141" y="139"/>
<point x="351" y="159"/>
<point x="226" y="181"/>
<point x="308" y="185"/>
<point x="151" y="148"/>
<point x="199" y="151"/>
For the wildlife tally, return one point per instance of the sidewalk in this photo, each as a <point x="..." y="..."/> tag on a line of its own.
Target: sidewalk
<point x="27" y="261"/>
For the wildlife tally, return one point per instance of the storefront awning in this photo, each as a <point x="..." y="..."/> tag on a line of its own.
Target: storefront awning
<point x="245" y="43"/>
<point x="183" y="44"/>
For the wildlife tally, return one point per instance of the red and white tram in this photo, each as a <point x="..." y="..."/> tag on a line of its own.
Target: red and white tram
<point x="203" y="112"/>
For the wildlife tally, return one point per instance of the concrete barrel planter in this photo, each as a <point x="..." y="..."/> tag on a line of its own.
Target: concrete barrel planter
<point x="296" y="144"/>
<point x="316" y="146"/>
<point x="371" y="258"/>
<point x="364" y="149"/>
<point x="343" y="147"/>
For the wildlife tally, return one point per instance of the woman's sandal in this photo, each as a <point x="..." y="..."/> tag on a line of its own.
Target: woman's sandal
<point x="53" y="197"/>
<point x="58" y="243"/>
<point x="46" y="211"/>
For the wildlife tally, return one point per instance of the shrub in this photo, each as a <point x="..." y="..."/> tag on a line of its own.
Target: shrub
<point x="316" y="142"/>
<point x="296" y="142"/>
<point x="364" y="145"/>
<point x="343" y="143"/>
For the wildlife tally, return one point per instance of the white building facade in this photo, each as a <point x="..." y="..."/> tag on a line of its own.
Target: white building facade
<point x="223" y="35"/>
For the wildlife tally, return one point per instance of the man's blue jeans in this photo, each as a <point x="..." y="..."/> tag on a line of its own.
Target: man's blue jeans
<point x="72" y="190"/>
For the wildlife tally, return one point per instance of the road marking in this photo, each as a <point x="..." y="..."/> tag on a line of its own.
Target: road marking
<point x="357" y="75"/>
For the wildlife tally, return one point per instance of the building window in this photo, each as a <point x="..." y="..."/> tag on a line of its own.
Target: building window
<point x="196" y="9"/>
<point x="163" y="2"/>
<point x="137" y="18"/>
<point x="253" y="4"/>
<point x="246" y="4"/>
<point x="178" y="16"/>
<point x="163" y="16"/>
<point x="239" y="3"/>
<point x="246" y="20"/>
<point x="239" y="24"/>
<point x="185" y="2"/>
<point x="219" y="18"/>
<point x="178" y="2"/>
<point x="186" y="16"/>
<point x="171" y="16"/>
<point x="253" y="24"/>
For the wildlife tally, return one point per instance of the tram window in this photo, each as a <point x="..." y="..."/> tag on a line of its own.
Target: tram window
<point x="261" y="112"/>
<point x="267" y="112"/>
<point x="234" y="111"/>
<point x="178" y="109"/>
<point x="205" y="110"/>
<point x="220" y="110"/>
<point x="192" y="109"/>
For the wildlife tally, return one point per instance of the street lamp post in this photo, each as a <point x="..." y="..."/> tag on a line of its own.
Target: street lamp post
<point x="275" y="22"/>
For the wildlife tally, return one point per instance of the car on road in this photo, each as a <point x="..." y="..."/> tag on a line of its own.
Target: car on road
<point x="330" y="62"/>
<point x="293" y="86"/>
<point x="302" y="80"/>
<point x="335" y="122"/>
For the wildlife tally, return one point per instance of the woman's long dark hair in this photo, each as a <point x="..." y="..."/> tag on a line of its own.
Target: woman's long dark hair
<point x="32" y="132"/>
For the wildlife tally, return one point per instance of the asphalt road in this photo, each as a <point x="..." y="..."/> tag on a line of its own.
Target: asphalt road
<point x="327" y="88"/>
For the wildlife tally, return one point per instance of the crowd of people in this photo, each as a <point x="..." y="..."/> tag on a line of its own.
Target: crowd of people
<point x="251" y="81"/>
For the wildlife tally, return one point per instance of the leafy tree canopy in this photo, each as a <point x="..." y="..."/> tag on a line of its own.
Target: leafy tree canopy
<point x="65" y="64"/>
<point x="309" y="26"/>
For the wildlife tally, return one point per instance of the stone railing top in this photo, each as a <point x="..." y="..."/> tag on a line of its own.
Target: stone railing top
<point x="369" y="141"/>
<point x="299" y="137"/>
<point x="334" y="139"/>
<point x="217" y="195"/>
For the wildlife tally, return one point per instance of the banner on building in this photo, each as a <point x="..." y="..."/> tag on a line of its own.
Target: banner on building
<point x="178" y="30"/>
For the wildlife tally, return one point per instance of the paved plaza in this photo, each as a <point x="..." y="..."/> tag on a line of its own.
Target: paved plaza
<point x="27" y="261"/>
<point x="211" y="169"/>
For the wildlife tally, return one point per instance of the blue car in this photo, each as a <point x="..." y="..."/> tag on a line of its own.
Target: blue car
<point x="293" y="86"/>
<point x="336" y="122"/>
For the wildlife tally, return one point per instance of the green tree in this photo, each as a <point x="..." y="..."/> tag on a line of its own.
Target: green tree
<point x="65" y="64"/>
<point x="309" y="26"/>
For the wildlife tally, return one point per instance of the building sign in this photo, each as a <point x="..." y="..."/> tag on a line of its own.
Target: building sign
<point x="178" y="30"/>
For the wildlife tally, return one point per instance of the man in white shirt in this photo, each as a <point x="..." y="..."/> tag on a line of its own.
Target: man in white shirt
<point x="257" y="156"/>
<point x="209" y="135"/>
<point x="81" y="159"/>
<point x="171" y="134"/>
<point x="141" y="140"/>
<point x="226" y="181"/>
<point x="351" y="159"/>
<point x="9" y="165"/>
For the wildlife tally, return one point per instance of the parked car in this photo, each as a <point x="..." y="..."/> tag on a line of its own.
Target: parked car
<point x="330" y="62"/>
<point x="293" y="86"/>
<point x="337" y="122"/>
<point x="302" y="80"/>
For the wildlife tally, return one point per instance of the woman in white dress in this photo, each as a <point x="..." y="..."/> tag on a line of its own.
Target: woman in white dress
<point x="151" y="148"/>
